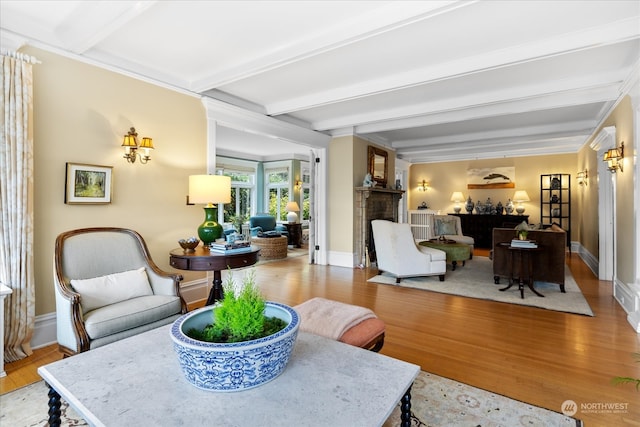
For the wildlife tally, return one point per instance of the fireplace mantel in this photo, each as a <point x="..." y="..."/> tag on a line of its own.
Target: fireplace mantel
<point x="372" y="203"/>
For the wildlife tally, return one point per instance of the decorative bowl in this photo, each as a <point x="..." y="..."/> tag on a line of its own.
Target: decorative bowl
<point x="226" y="367"/>
<point x="189" y="244"/>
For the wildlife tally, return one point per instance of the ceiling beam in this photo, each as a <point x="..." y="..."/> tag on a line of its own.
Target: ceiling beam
<point x="386" y="18"/>
<point x="612" y="33"/>
<point x="512" y="101"/>
<point x="93" y="21"/>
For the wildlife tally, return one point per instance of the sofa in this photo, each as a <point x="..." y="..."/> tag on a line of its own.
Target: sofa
<point x="548" y="264"/>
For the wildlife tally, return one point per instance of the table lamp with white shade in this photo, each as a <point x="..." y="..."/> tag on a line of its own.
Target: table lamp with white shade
<point x="292" y="208"/>
<point x="519" y="197"/>
<point x="209" y="190"/>
<point x="457" y="197"/>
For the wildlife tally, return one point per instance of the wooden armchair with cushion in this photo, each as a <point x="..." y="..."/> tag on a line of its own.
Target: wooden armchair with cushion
<point x="108" y="288"/>
<point x="450" y="227"/>
<point x="548" y="264"/>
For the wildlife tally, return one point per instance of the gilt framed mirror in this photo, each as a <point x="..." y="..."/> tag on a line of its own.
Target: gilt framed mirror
<point x="378" y="165"/>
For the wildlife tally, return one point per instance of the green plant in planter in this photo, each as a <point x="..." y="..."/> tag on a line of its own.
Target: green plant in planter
<point x="238" y="220"/>
<point x="625" y="380"/>
<point x="522" y="230"/>
<point x="240" y="315"/>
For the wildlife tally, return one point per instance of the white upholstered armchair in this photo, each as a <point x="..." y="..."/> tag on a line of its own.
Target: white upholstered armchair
<point x="398" y="254"/>
<point x="108" y="288"/>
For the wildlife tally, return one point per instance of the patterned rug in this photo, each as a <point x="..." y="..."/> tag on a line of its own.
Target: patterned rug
<point x="475" y="280"/>
<point x="435" y="402"/>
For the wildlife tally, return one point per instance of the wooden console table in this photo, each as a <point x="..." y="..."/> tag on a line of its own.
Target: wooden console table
<point x="204" y="260"/>
<point x="480" y="227"/>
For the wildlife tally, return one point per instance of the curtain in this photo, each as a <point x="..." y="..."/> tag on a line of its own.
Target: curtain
<point x="16" y="203"/>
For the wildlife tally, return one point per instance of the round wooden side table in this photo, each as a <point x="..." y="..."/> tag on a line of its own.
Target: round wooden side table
<point x="202" y="259"/>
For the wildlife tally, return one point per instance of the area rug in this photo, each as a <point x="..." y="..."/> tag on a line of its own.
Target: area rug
<point x="435" y="402"/>
<point x="475" y="280"/>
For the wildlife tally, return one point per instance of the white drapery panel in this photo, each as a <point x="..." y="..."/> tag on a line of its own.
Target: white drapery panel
<point x="16" y="203"/>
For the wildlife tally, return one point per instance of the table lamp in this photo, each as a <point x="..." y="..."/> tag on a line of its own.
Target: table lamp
<point x="519" y="197"/>
<point x="457" y="197"/>
<point x="292" y="208"/>
<point x="209" y="190"/>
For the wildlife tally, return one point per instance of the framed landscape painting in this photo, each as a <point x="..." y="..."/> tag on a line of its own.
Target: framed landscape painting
<point x="489" y="178"/>
<point x="87" y="184"/>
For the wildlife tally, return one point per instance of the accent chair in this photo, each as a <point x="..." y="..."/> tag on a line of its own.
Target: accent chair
<point x="108" y="288"/>
<point x="398" y="254"/>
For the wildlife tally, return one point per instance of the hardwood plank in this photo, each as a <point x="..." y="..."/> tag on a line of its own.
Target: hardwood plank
<point x="537" y="356"/>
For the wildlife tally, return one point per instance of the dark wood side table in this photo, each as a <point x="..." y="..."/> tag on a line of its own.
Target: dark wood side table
<point x="525" y="267"/>
<point x="295" y="233"/>
<point x="204" y="260"/>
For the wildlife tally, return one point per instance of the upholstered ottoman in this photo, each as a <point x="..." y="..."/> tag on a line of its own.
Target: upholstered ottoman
<point x="350" y="324"/>
<point x="271" y="247"/>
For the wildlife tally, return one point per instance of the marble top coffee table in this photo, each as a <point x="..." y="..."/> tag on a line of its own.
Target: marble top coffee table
<point x="138" y="381"/>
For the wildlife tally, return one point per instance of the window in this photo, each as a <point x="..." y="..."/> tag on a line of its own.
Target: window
<point x="242" y="190"/>
<point x="277" y="184"/>
<point x="306" y="193"/>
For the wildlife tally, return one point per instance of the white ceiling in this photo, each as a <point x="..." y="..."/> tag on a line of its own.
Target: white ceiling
<point x="433" y="80"/>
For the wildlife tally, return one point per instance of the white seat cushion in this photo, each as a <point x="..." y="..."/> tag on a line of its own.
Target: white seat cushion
<point x="130" y="314"/>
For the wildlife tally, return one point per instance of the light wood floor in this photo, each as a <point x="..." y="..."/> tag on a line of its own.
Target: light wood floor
<point x="537" y="356"/>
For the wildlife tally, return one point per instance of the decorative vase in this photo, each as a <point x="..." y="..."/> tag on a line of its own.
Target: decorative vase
<point x="509" y="208"/>
<point x="468" y="206"/>
<point x="226" y="367"/>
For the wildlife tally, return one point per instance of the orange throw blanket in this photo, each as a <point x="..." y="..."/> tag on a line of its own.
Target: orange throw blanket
<point x="329" y="318"/>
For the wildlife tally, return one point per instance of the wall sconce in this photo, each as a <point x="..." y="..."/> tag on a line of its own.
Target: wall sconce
<point x="131" y="147"/>
<point x="457" y="197"/>
<point x="583" y="176"/>
<point x="519" y="197"/>
<point x="297" y="185"/>
<point x="423" y="186"/>
<point x="613" y="158"/>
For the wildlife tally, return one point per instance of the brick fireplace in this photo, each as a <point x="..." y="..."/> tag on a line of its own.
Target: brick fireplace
<point x="372" y="203"/>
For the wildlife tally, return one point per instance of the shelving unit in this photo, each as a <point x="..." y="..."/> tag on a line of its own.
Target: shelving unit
<point x="555" y="201"/>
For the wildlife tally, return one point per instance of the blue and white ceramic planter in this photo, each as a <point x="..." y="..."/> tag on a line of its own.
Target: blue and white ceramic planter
<point x="234" y="366"/>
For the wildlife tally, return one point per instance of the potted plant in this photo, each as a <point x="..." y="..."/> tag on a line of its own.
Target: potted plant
<point x="237" y="222"/>
<point x="232" y="346"/>
<point x="522" y="230"/>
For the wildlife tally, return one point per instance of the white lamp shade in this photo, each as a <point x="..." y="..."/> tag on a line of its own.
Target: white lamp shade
<point x="457" y="197"/>
<point x="292" y="207"/>
<point x="205" y="189"/>
<point x="521" y="196"/>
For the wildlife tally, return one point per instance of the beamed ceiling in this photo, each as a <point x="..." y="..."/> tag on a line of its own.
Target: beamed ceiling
<point x="432" y="80"/>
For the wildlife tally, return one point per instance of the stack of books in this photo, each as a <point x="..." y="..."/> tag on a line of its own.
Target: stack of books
<point x="516" y="243"/>
<point x="230" y="248"/>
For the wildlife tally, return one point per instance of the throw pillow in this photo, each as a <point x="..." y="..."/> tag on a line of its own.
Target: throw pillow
<point x="446" y="227"/>
<point x="112" y="288"/>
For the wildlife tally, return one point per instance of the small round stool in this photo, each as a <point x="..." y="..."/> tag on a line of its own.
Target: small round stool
<point x="271" y="247"/>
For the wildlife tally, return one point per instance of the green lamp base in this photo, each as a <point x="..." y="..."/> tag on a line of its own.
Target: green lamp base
<point x="209" y="230"/>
